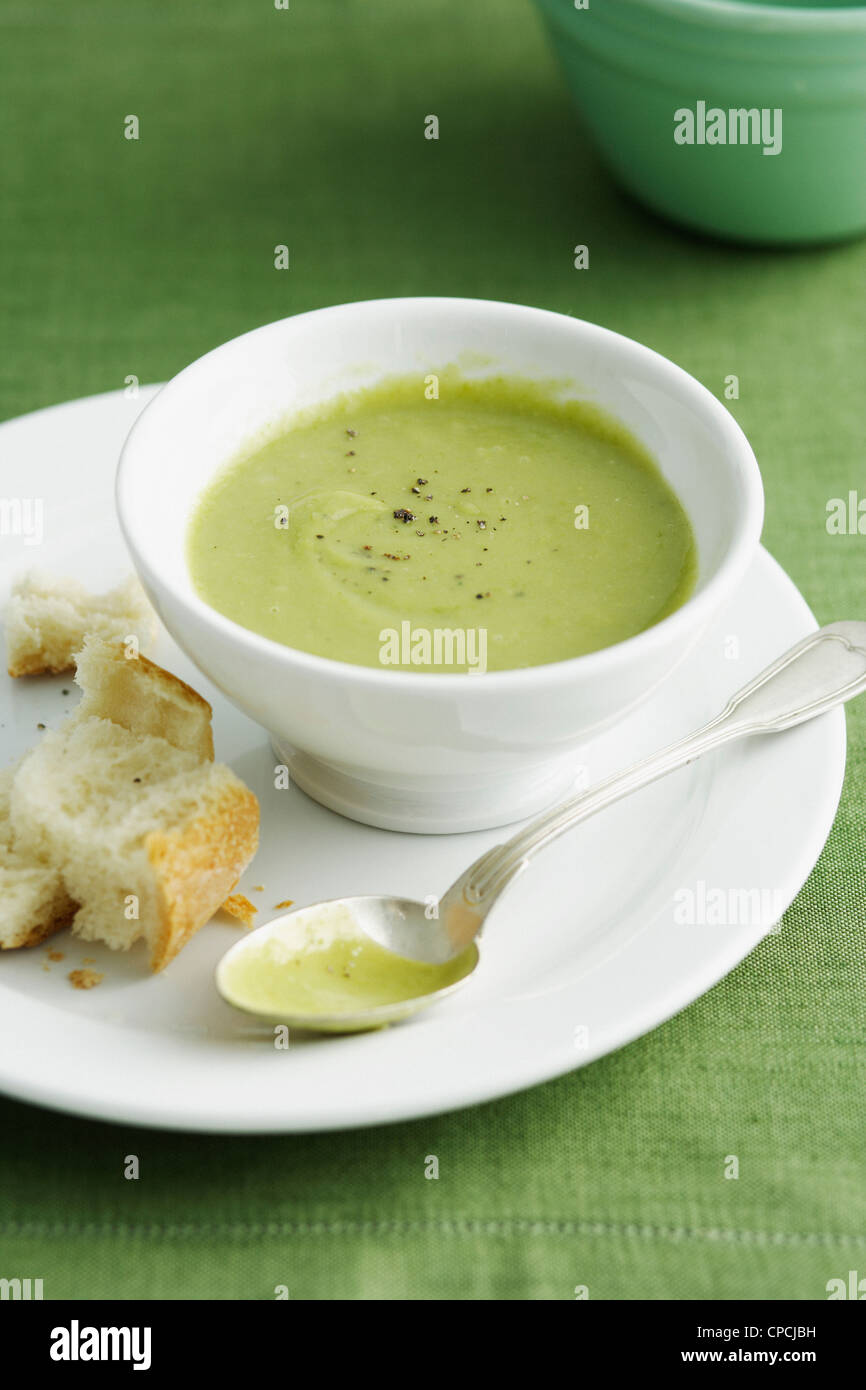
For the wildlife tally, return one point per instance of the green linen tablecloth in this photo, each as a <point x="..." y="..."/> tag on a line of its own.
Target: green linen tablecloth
<point x="304" y="126"/>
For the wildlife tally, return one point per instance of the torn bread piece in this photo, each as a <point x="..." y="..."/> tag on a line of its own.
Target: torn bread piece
<point x="140" y="696"/>
<point x="147" y="834"/>
<point x="47" y="619"/>
<point x="34" y="903"/>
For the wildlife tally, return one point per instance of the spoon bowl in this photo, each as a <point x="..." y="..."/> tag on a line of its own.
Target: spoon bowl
<point x="397" y="927"/>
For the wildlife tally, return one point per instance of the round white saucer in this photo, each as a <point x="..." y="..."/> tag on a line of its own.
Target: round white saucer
<point x="616" y="928"/>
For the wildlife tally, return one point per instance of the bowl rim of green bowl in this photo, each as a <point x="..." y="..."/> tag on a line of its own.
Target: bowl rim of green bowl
<point x="743" y="14"/>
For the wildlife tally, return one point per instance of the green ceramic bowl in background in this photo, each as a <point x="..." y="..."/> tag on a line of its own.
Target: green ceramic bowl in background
<point x="631" y="64"/>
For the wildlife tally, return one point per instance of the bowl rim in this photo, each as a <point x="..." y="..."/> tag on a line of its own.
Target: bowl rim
<point x="736" y="14"/>
<point x="690" y="617"/>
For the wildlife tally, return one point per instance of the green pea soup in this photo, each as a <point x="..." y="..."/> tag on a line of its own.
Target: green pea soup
<point x="444" y="524"/>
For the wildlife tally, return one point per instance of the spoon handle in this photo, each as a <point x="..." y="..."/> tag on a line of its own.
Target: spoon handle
<point x="825" y="669"/>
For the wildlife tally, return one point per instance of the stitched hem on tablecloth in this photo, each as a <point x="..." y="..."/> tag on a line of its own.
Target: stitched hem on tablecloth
<point x="242" y="1230"/>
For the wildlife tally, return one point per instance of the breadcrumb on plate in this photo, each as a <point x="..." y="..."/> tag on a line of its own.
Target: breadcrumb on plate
<point x="85" y="979"/>
<point x="239" y="906"/>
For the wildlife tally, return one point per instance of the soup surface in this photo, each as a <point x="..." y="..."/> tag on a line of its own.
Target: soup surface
<point x="491" y="527"/>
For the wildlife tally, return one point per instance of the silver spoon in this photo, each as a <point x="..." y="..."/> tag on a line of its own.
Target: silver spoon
<point x="824" y="670"/>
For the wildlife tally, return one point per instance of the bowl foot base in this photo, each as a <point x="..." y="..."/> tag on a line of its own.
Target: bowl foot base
<point x="427" y="805"/>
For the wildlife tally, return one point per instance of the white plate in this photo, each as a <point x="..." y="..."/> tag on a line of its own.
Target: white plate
<point x="584" y="954"/>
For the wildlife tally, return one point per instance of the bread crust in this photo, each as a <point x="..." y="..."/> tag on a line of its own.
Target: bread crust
<point x="35" y="665"/>
<point x="56" y="916"/>
<point x="42" y="931"/>
<point x="166" y="680"/>
<point x="196" y="867"/>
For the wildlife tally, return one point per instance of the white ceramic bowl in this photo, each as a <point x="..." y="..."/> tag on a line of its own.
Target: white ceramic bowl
<point x="401" y="749"/>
